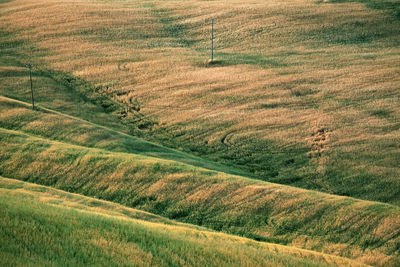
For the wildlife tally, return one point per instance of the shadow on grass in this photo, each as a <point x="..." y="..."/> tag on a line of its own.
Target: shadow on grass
<point x="390" y="6"/>
<point x="232" y="59"/>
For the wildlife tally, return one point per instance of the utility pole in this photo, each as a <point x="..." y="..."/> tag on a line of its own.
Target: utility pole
<point x="212" y="39"/>
<point x="30" y="66"/>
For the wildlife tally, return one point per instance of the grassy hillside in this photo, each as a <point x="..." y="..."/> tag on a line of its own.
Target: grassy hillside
<point x="366" y="231"/>
<point x="54" y="125"/>
<point x="48" y="227"/>
<point x="303" y="92"/>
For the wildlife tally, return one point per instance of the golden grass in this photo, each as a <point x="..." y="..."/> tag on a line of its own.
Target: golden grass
<point x="166" y="76"/>
<point x="249" y="253"/>
<point x="283" y="77"/>
<point x="307" y="219"/>
<point x="125" y="47"/>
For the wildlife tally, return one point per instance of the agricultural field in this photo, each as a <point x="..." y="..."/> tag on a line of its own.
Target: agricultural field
<point x="283" y="151"/>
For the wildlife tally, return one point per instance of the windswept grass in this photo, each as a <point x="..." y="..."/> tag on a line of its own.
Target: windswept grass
<point x="366" y="231"/>
<point x="43" y="226"/>
<point x="389" y="6"/>
<point x="48" y="124"/>
<point x="304" y="92"/>
<point x="62" y="127"/>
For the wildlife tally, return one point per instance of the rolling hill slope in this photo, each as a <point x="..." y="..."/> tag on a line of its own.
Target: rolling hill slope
<point x="291" y="136"/>
<point x="303" y="93"/>
<point x="44" y="226"/>
<point x="362" y="230"/>
<point x="59" y="126"/>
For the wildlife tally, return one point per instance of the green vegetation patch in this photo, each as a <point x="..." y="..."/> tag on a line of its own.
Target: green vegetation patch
<point x="390" y="6"/>
<point x="382" y="113"/>
<point x="40" y="231"/>
<point x="173" y="28"/>
<point x="352" y="33"/>
<point x="227" y="59"/>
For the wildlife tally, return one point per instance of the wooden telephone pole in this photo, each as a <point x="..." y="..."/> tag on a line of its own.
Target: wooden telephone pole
<point x="30" y="66"/>
<point x="212" y="39"/>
